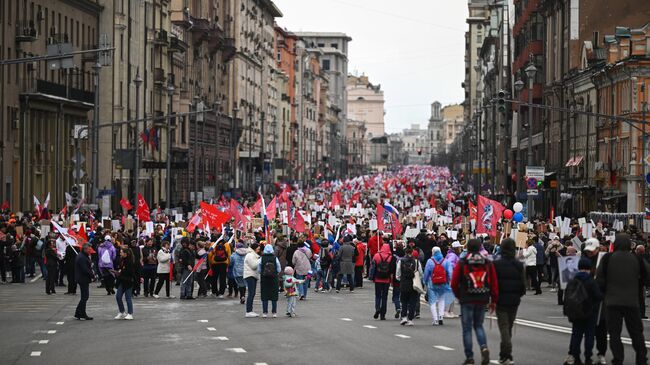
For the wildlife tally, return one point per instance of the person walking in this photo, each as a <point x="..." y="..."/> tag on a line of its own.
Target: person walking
<point x="475" y="284"/>
<point x="530" y="257"/>
<point x="358" y="264"/>
<point x="126" y="277"/>
<point x="269" y="270"/>
<point x="437" y="276"/>
<point x="149" y="267"/>
<point x="581" y="304"/>
<point x="380" y="274"/>
<point x="162" y="270"/>
<point x="346" y="256"/>
<point x="52" y="264"/>
<point x="237" y="269"/>
<point x="186" y="261"/>
<point x="620" y="276"/>
<point x="219" y="259"/>
<point x="83" y="276"/>
<point x="452" y="258"/>
<point x="251" y="263"/>
<point x="202" y="271"/>
<point x="302" y="267"/>
<point x="405" y="273"/>
<point x="68" y="263"/>
<point x="512" y="286"/>
<point x="107" y="254"/>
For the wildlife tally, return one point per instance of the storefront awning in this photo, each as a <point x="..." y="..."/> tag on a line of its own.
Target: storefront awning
<point x="613" y="197"/>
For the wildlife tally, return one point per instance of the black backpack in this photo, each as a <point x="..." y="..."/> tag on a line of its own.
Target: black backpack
<point x="577" y="306"/>
<point x="383" y="269"/>
<point x="269" y="269"/>
<point x="408" y="269"/>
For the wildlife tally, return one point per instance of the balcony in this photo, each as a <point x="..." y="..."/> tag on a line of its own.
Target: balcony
<point x="159" y="77"/>
<point x="228" y="49"/>
<point x="26" y="31"/>
<point x="46" y="89"/>
<point x="179" y="13"/>
<point x="177" y="45"/>
<point x="160" y="38"/>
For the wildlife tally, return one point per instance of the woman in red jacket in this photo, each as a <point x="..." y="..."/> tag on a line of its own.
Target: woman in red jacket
<point x="380" y="273"/>
<point x="358" y="264"/>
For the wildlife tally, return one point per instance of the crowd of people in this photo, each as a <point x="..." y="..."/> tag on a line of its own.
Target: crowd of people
<point x="412" y="233"/>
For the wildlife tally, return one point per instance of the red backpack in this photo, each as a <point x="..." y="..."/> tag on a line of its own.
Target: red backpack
<point x="439" y="275"/>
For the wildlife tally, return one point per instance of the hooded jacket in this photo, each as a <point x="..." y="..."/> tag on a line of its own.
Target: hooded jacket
<point x="251" y="262"/>
<point x="428" y="269"/>
<point x="237" y="261"/>
<point x="620" y="274"/>
<point x="511" y="277"/>
<point x="301" y="262"/>
<point x="106" y="246"/>
<point x="163" y="261"/>
<point x="385" y="255"/>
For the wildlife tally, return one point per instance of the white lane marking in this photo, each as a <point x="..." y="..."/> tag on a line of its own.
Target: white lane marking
<point x="369" y="326"/>
<point x="494" y="361"/>
<point x="556" y="317"/>
<point x="36" y="278"/>
<point x="346" y="319"/>
<point x="59" y="323"/>
<point x="203" y="320"/>
<point x="561" y="329"/>
<point x="443" y="348"/>
<point x="401" y="335"/>
<point x="260" y="363"/>
<point x="51" y="332"/>
<point x="220" y="338"/>
<point x="211" y="329"/>
<point x="237" y="350"/>
<point x="43" y="342"/>
<point x="35" y="353"/>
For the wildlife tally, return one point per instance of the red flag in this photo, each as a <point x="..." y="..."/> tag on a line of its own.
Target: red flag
<point x="142" y="212"/>
<point x="212" y="215"/>
<point x="396" y="226"/>
<point x="5" y="205"/>
<point x="488" y="214"/>
<point x="236" y="213"/>
<point x="271" y="209"/>
<point x="194" y="222"/>
<point x="126" y="204"/>
<point x="380" y="217"/>
<point x="432" y="201"/>
<point x="297" y="222"/>
<point x="82" y="234"/>
<point x="472" y="212"/>
<point x="450" y="198"/>
<point x="336" y="199"/>
<point x="356" y="197"/>
<point x="257" y="207"/>
<point x="64" y="211"/>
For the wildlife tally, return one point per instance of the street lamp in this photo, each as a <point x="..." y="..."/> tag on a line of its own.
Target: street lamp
<point x="95" y="170"/>
<point x="233" y="169"/>
<point x="531" y="70"/>
<point x="170" y="91"/>
<point x="136" y="184"/>
<point x="519" y="86"/>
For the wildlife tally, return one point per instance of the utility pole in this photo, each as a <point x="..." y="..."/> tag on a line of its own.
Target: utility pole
<point x="95" y="159"/>
<point x="531" y="70"/>
<point x="250" y="150"/>
<point x="262" y="150"/>
<point x="644" y="105"/>
<point x="233" y="154"/>
<point x="170" y="124"/>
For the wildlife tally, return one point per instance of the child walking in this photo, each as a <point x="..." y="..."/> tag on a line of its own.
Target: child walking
<point x="290" y="283"/>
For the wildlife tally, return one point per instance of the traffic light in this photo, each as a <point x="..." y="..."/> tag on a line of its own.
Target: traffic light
<point x="501" y="101"/>
<point x="75" y="194"/>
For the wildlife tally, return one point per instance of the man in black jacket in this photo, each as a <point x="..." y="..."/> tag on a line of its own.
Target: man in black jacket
<point x="620" y="276"/>
<point x="512" y="286"/>
<point x="83" y="276"/>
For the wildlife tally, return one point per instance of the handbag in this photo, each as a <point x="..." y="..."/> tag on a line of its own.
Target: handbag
<point x="417" y="283"/>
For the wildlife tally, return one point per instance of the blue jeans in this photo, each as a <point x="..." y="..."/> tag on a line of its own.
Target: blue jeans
<point x="187" y="286"/>
<point x="302" y="288"/>
<point x="274" y="306"/>
<point x="396" y="299"/>
<point x="472" y="316"/>
<point x="321" y="279"/>
<point x="128" y="293"/>
<point x="251" y="284"/>
<point x="580" y="329"/>
<point x="381" y="298"/>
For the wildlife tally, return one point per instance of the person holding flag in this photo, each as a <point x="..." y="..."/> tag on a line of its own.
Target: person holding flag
<point x="186" y="261"/>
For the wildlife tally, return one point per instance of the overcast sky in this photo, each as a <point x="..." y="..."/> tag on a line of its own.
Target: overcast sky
<point x="413" y="48"/>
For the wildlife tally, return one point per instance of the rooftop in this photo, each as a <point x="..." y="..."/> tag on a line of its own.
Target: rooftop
<point x="324" y="35"/>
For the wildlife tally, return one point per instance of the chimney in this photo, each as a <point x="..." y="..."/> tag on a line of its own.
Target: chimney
<point x="596" y="39"/>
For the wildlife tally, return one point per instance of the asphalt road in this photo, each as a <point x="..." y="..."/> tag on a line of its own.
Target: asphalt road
<point x="330" y="328"/>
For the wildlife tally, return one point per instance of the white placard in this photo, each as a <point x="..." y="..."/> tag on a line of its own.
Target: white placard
<point x="331" y="220"/>
<point x="568" y="267"/>
<point x="419" y="225"/>
<point x="45" y="230"/>
<point x="115" y="225"/>
<point x="577" y="244"/>
<point x="372" y="224"/>
<point x="352" y="228"/>
<point x="285" y="217"/>
<point x="582" y="221"/>
<point x="149" y="228"/>
<point x="178" y="217"/>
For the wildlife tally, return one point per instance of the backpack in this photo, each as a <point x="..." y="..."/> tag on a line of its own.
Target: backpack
<point x="408" y="269"/>
<point x="382" y="270"/>
<point x="439" y="274"/>
<point x="477" y="281"/>
<point x="269" y="269"/>
<point x="576" y="301"/>
<point x="106" y="258"/>
<point x="220" y="253"/>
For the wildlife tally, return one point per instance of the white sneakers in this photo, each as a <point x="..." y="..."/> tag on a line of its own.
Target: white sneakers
<point x="220" y="296"/>
<point x="264" y="315"/>
<point x="156" y="296"/>
<point x="275" y="315"/>
<point x="409" y="323"/>
<point x="252" y="315"/>
<point x="124" y="316"/>
<point x="404" y="321"/>
<point x="128" y="317"/>
<point x="450" y="315"/>
<point x="602" y="360"/>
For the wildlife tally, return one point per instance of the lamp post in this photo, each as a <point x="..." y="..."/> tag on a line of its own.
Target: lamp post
<point x="233" y="156"/>
<point x="519" y="86"/>
<point x="95" y="170"/>
<point x="250" y="149"/>
<point x="531" y="70"/>
<point x="136" y="183"/>
<point x="197" y="100"/>
<point x="170" y="123"/>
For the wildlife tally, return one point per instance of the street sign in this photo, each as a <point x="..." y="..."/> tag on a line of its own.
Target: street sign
<point x="531" y="183"/>
<point x="81" y="174"/>
<point x="535" y="172"/>
<point x="103" y="192"/>
<point x="82" y="159"/>
<point x="647" y="159"/>
<point x="647" y="178"/>
<point x="533" y="192"/>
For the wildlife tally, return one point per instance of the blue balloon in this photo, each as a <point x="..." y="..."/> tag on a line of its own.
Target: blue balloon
<point x="518" y="217"/>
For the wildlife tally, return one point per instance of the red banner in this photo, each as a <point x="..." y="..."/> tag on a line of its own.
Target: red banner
<point x="212" y="215"/>
<point x="126" y="204"/>
<point x="143" y="210"/>
<point x="488" y="214"/>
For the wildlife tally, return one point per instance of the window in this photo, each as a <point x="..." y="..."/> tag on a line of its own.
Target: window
<point x="335" y="45"/>
<point x="326" y="65"/>
<point x="479" y="38"/>
<point x="321" y="45"/>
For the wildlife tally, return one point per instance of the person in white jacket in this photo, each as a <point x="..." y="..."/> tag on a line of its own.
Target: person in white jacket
<point x="251" y="262"/>
<point x="530" y="257"/>
<point x="164" y="259"/>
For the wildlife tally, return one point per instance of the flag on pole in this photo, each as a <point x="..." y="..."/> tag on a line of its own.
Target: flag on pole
<point x="266" y="219"/>
<point x="68" y="199"/>
<point x="380" y="217"/>
<point x="257" y="207"/>
<point x="488" y="213"/>
<point x="126" y="204"/>
<point x="193" y="223"/>
<point x="271" y="209"/>
<point x="213" y="216"/>
<point x="37" y="206"/>
<point x="142" y="212"/>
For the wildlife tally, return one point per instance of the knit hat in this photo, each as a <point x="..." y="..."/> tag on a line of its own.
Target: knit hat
<point x="584" y="264"/>
<point x="240" y="245"/>
<point x="288" y="270"/>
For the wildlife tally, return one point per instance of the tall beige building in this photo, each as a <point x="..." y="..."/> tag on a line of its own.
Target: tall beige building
<point x="452" y="124"/>
<point x="366" y="104"/>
